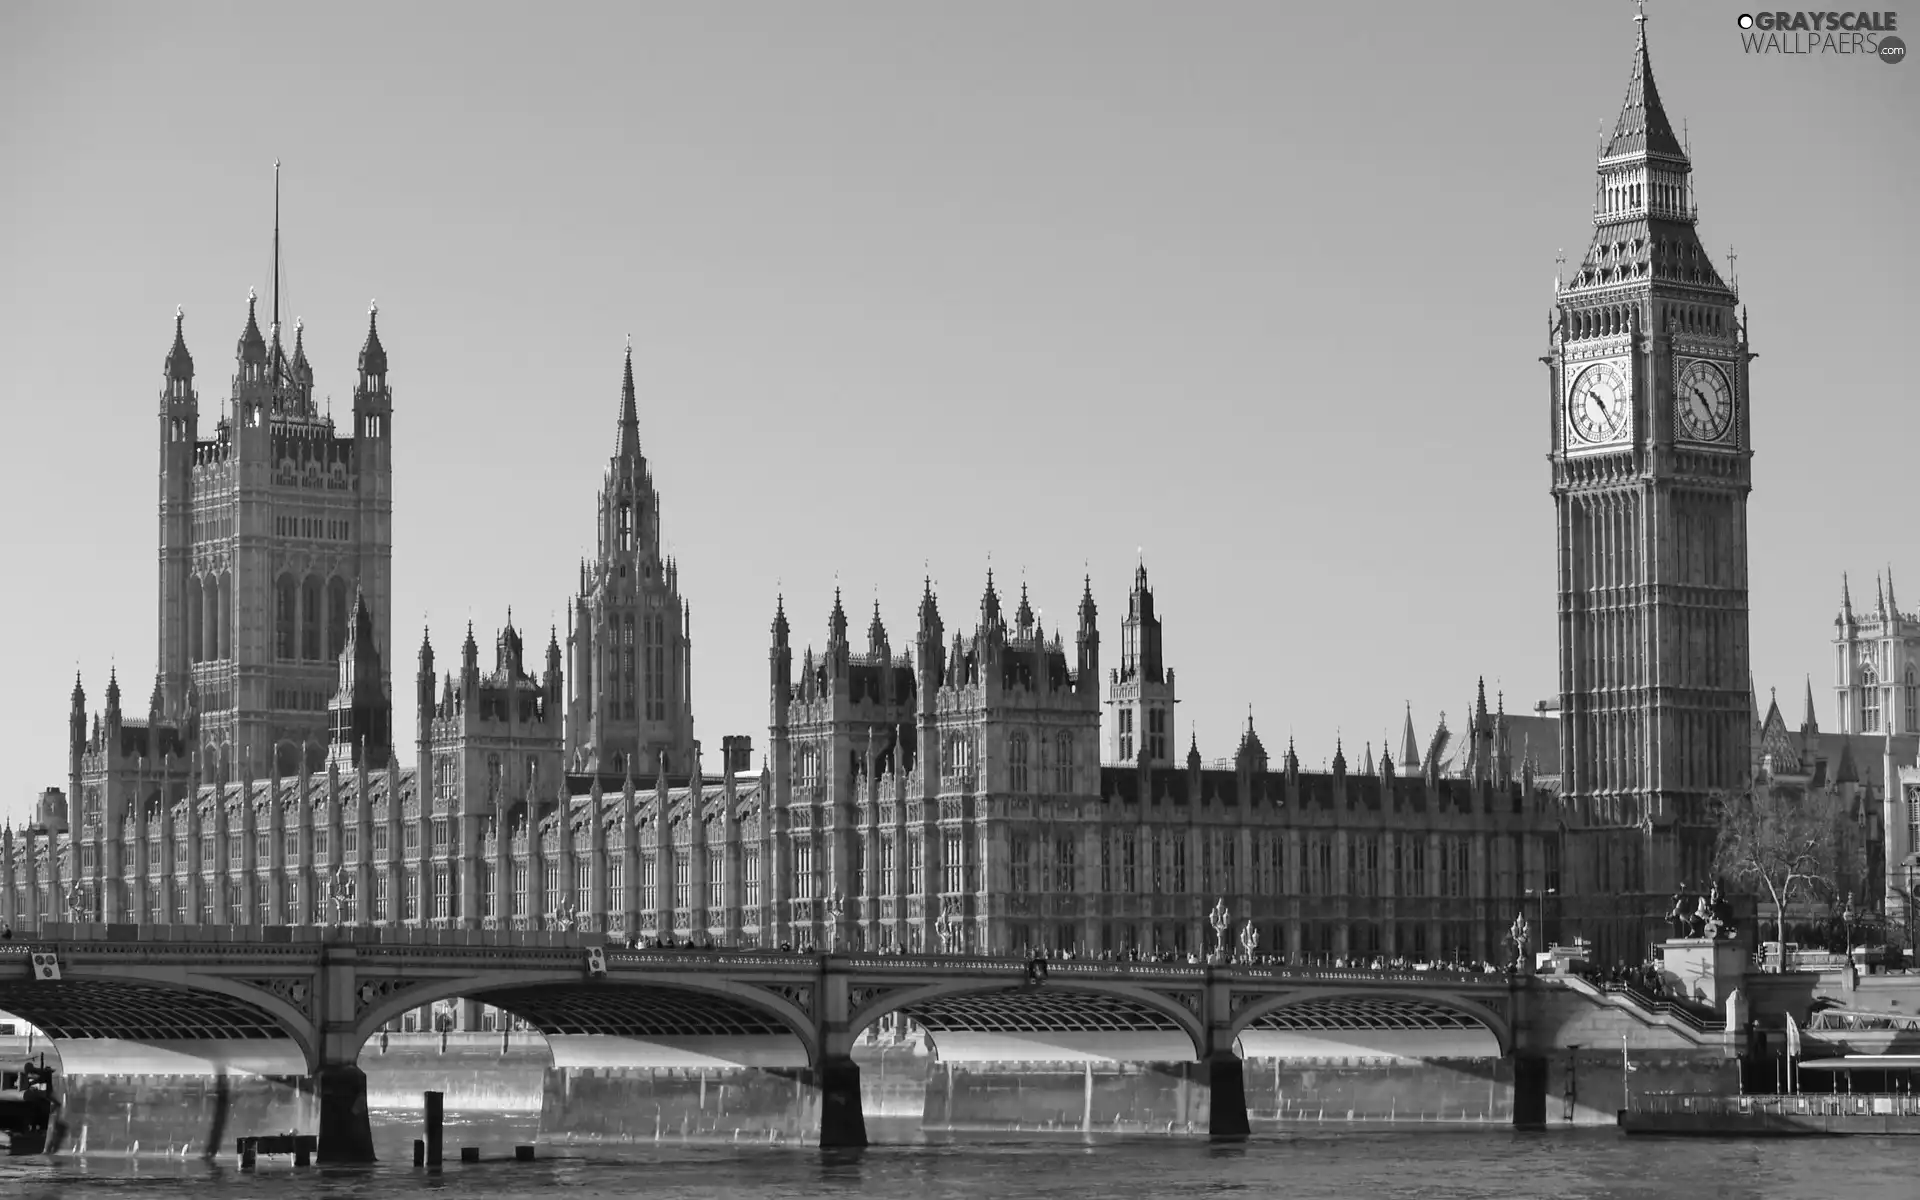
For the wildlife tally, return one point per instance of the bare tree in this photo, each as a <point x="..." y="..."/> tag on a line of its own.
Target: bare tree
<point x="1791" y="844"/>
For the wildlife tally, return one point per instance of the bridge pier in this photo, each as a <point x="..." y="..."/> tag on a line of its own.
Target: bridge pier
<point x="843" y="1123"/>
<point x="1227" y="1097"/>
<point x="346" y="1132"/>
<point x="1529" y="1091"/>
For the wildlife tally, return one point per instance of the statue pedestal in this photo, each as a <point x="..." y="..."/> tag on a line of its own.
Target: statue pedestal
<point x="1706" y="969"/>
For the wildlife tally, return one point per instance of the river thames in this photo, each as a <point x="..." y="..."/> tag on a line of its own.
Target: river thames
<point x="1332" y="1161"/>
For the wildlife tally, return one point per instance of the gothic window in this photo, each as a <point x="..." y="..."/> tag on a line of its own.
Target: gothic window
<point x="1126" y="735"/>
<point x="1063" y="861"/>
<point x="292" y="847"/>
<point x="803" y="879"/>
<point x="521" y="879"/>
<point x="1229" y="876"/>
<point x="682" y="879"/>
<point x="336" y="617"/>
<point x="1063" y="763"/>
<point x="717" y="879"/>
<point x="1179" y="871"/>
<point x="617" y="882"/>
<point x="310" y="619"/>
<point x="1022" y="860"/>
<point x="1912" y="722"/>
<point x="916" y="858"/>
<point x="858" y="873"/>
<point x="283" y="616"/>
<point x="953" y="864"/>
<point x="1129" y="855"/>
<point x="1017" y="763"/>
<point x="583" y="884"/>
<point x="657" y="669"/>
<point x="625" y="707"/>
<point x="1156" y="734"/>
<point x="412" y="896"/>
<point x="1869" y="698"/>
<point x="625" y="527"/>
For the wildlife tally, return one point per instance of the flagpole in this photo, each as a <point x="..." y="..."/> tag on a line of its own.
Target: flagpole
<point x="1626" y="1086"/>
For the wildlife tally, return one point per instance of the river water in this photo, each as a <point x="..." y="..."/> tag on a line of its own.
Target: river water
<point x="1330" y="1161"/>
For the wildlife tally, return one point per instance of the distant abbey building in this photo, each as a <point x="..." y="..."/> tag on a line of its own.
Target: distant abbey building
<point x="953" y="793"/>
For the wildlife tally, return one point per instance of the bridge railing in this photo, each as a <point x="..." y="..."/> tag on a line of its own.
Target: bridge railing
<point x="1684" y="1011"/>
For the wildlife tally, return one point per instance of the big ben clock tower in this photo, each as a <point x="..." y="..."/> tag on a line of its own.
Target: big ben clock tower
<point x="1651" y="443"/>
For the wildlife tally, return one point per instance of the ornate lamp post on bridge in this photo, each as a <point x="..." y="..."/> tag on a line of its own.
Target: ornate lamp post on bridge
<point x="339" y="894"/>
<point x="836" y="908"/>
<point x="1249" y="941"/>
<point x="1219" y="919"/>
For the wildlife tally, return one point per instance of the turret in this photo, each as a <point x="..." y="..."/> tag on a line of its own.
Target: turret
<point x="837" y="650"/>
<point x="551" y="682"/>
<point x="929" y="649"/>
<point x="76" y="726"/>
<point x="780" y="666"/>
<point x="362" y="713"/>
<point x="1087" y="681"/>
<point x="424" y="682"/>
<point x="469" y="662"/>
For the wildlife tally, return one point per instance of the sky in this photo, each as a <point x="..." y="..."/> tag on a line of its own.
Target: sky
<point x="1255" y="291"/>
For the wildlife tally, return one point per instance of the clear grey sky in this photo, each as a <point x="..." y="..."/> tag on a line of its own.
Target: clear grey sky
<point x="1260" y="288"/>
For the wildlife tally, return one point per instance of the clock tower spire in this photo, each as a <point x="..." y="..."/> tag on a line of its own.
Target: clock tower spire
<point x="1650" y="459"/>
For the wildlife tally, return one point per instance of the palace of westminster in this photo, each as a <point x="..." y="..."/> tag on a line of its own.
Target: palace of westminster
<point x="954" y="792"/>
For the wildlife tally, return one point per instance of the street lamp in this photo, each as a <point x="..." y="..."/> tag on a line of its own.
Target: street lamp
<point x="1913" y="871"/>
<point x="1846" y="926"/>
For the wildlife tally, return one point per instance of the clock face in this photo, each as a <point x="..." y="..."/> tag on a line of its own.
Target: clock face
<point x="1702" y="401"/>
<point x="1597" y="403"/>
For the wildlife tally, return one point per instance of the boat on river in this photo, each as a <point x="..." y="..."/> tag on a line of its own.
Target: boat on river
<point x="1889" y="1107"/>
<point x="26" y="1106"/>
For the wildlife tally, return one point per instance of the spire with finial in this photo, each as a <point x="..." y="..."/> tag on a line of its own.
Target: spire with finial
<point x="1846" y="599"/>
<point x="837" y="622"/>
<point x="1808" y="723"/>
<point x="876" y="631"/>
<point x="373" y="356"/>
<point x="1023" y="617"/>
<point x="1879" y="596"/>
<point x="1409" y="745"/>
<point x="780" y="628"/>
<point x="1193" y="749"/>
<point x="1366" y="761"/>
<point x="627" y="442"/>
<point x="990" y="603"/>
<point x="179" y="362"/>
<point x="1893" y="605"/>
<point x="253" y="347"/>
<point x="1339" y="756"/>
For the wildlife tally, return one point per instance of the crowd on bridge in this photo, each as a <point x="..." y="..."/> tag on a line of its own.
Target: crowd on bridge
<point x="1302" y="961"/>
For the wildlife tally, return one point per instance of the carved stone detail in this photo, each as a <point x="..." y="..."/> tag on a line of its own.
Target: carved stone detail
<point x="374" y="991"/>
<point x="796" y="994"/>
<point x="292" y="990"/>
<point x="862" y="997"/>
<point x="1187" y="1000"/>
<point x="1244" y="1000"/>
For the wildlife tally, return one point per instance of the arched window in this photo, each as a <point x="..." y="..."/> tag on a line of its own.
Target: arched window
<point x="223" y="619"/>
<point x="625" y="527"/>
<point x="1912" y="705"/>
<point x="1017" y="780"/>
<point x="283" y="618"/>
<point x="310" y="619"/>
<point x="1869" y="698"/>
<point x="1063" y="763"/>
<point x="336" y="616"/>
<point x="195" y="622"/>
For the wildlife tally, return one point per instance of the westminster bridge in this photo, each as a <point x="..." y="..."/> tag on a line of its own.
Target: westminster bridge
<point x="299" y="1004"/>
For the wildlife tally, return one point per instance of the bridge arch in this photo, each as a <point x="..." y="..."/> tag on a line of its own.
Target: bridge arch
<point x="1068" y="1018"/>
<point x="687" y="1009"/>
<point x="218" y="1021"/>
<point x="1392" y="1017"/>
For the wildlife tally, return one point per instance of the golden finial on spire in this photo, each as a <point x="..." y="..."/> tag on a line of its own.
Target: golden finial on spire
<point x="373" y="308"/>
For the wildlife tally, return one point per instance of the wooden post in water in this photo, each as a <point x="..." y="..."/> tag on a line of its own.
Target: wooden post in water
<point x="435" y="1112"/>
